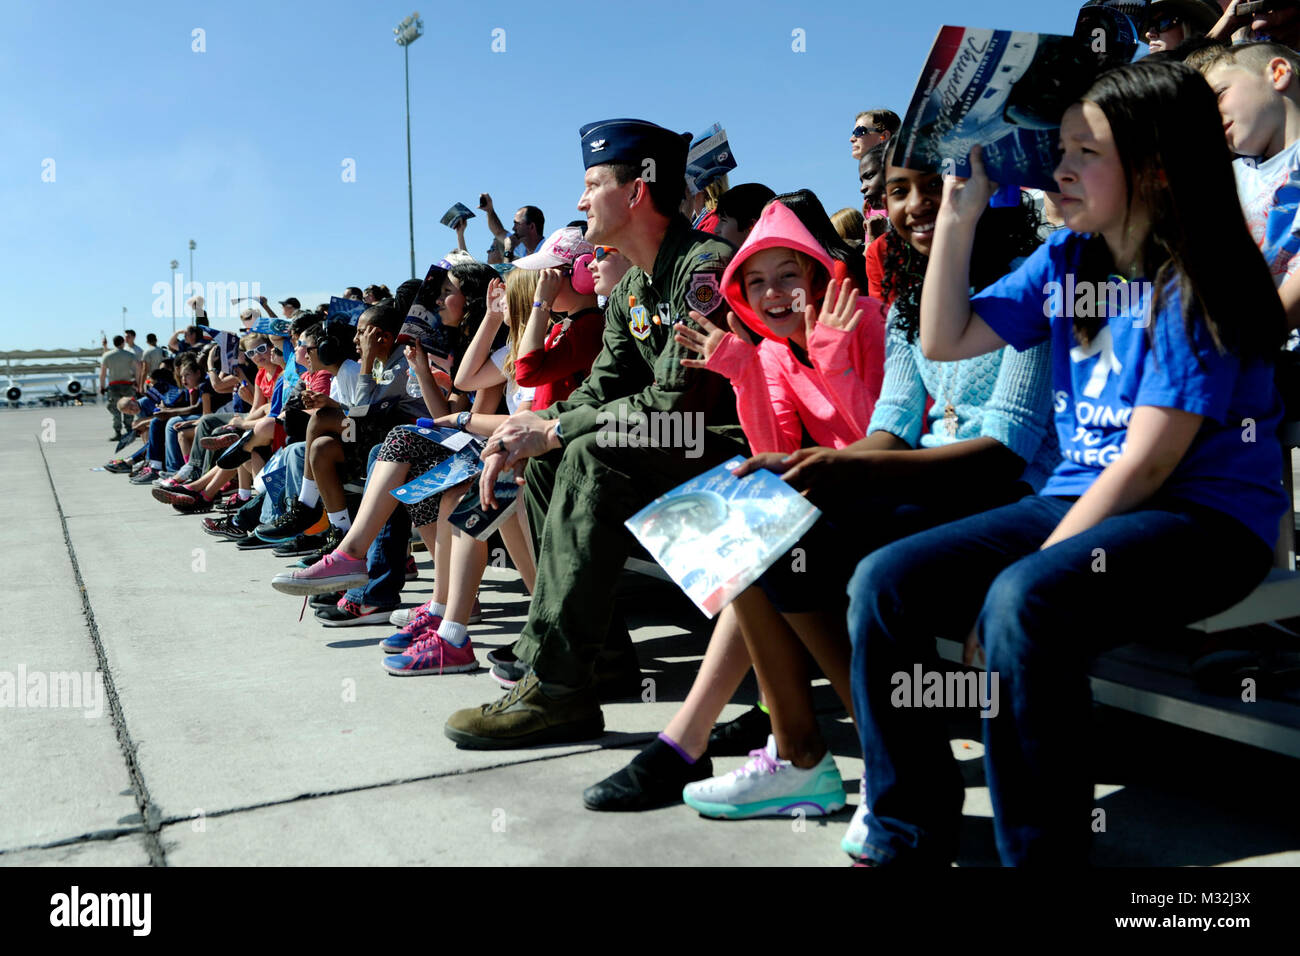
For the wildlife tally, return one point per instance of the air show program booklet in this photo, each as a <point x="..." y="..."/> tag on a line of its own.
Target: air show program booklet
<point x="717" y="534"/>
<point x="462" y="465"/>
<point x="1002" y="90"/>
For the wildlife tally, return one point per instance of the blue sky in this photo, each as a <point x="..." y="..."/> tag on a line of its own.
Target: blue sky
<point x="242" y="147"/>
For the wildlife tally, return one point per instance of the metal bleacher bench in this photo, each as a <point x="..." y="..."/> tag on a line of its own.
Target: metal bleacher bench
<point x="1158" y="683"/>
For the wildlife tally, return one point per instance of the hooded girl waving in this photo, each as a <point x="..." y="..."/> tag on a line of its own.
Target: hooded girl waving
<point x="809" y="372"/>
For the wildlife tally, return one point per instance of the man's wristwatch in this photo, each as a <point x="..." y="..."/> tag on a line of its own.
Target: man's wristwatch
<point x="462" y="420"/>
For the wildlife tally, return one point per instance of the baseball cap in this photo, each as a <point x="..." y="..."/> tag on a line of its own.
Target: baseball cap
<point x="291" y="301"/>
<point x="561" y="248"/>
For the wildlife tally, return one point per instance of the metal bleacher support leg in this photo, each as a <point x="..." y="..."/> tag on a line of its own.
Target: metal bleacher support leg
<point x="1284" y="551"/>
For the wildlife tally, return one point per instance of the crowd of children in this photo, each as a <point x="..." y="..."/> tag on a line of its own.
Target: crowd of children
<point x="975" y="450"/>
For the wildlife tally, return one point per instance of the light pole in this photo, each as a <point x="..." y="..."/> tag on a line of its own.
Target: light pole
<point x="124" y="319"/>
<point x="191" y="260"/>
<point x="175" y="264"/>
<point x="407" y="32"/>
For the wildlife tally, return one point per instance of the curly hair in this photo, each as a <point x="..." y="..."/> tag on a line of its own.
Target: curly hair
<point x="1002" y="236"/>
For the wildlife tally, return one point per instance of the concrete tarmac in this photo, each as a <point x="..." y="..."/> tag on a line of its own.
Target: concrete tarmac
<point x="221" y="730"/>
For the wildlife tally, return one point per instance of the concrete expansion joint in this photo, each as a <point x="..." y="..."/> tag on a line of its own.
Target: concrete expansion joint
<point x="149" y="814"/>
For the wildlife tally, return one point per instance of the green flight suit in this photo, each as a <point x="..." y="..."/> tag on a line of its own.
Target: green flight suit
<point x="579" y="496"/>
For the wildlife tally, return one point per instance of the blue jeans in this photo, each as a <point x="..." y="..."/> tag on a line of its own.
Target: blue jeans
<point x="295" y="462"/>
<point x="386" y="559"/>
<point x="1041" y="617"/>
<point x="174" y="459"/>
<point x="155" y="447"/>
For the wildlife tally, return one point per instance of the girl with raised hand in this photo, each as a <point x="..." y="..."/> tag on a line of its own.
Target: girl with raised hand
<point x="873" y="491"/>
<point x="1164" y="507"/>
<point x="984" y="448"/>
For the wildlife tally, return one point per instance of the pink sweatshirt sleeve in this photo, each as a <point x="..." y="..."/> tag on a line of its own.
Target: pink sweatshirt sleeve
<point x="852" y="364"/>
<point x="767" y="415"/>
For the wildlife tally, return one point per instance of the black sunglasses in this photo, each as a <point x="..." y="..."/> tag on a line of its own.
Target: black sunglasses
<point x="864" y="130"/>
<point x="1163" y="23"/>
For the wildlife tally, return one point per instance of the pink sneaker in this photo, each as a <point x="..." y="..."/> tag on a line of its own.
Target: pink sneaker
<point x="432" y="655"/>
<point x="334" y="572"/>
<point x="417" y="629"/>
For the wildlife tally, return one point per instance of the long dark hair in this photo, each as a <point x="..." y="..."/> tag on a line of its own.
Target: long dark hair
<point x="805" y="204"/>
<point x="473" y="279"/>
<point x="1180" y="173"/>
<point x="1002" y="235"/>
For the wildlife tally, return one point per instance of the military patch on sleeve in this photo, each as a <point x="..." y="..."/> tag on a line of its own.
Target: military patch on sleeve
<point x="704" y="293"/>
<point x="639" y="322"/>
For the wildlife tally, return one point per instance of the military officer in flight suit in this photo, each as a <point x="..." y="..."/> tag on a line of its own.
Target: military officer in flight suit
<point x="582" y="482"/>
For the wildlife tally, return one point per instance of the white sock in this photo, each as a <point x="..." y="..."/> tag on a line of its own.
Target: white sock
<point x="339" y="519"/>
<point x="308" y="495"/>
<point x="453" y="633"/>
<point x="245" y="493"/>
<point x="437" y="610"/>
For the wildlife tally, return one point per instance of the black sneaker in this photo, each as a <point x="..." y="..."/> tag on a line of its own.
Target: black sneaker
<point x="654" y="778"/>
<point x="290" y="524"/>
<point x="502" y="655"/>
<point x="302" y="544"/>
<point x="253" y="543"/>
<point x="224" y="528"/>
<point x="507" y="673"/>
<point x="326" y="600"/>
<point x="349" y="613"/>
<point x="736" y="738"/>
<point x="333" y="538"/>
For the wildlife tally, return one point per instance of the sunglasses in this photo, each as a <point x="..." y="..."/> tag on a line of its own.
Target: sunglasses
<point x="600" y="252"/>
<point x="861" y="131"/>
<point x="1163" y="23"/>
<point x="264" y="347"/>
<point x="308" y="348"/>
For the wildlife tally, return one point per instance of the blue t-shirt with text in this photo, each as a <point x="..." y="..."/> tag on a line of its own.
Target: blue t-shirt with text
<point x="1234" y="464"/>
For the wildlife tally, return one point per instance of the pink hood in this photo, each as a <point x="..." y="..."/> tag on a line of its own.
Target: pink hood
<point x="777" y="227"/>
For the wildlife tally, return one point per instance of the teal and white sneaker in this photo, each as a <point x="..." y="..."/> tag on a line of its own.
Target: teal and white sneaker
<point x="768" y="786"/>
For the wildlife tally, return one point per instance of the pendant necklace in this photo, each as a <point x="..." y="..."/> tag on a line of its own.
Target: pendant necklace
<point x="949" y="412"/>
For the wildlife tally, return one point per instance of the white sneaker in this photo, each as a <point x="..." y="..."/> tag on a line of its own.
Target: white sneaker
<point x="403" y="615"/>
<point x="768" y="786"/>
<point x="856" y="837"/>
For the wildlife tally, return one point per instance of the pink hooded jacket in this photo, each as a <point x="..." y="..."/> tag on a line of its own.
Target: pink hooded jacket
<point x="777" y="396"/>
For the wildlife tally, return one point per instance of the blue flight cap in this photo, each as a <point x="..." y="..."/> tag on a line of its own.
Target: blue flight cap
<point x="634" y="141"/>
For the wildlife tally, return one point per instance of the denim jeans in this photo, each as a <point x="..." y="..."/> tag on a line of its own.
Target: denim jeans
<point x="154" y="445"/>
<point x="174" y="459"/>
<point x="294" y="458"/>
<point x="1041" y="617"/>
<point x="386" y="559"/>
